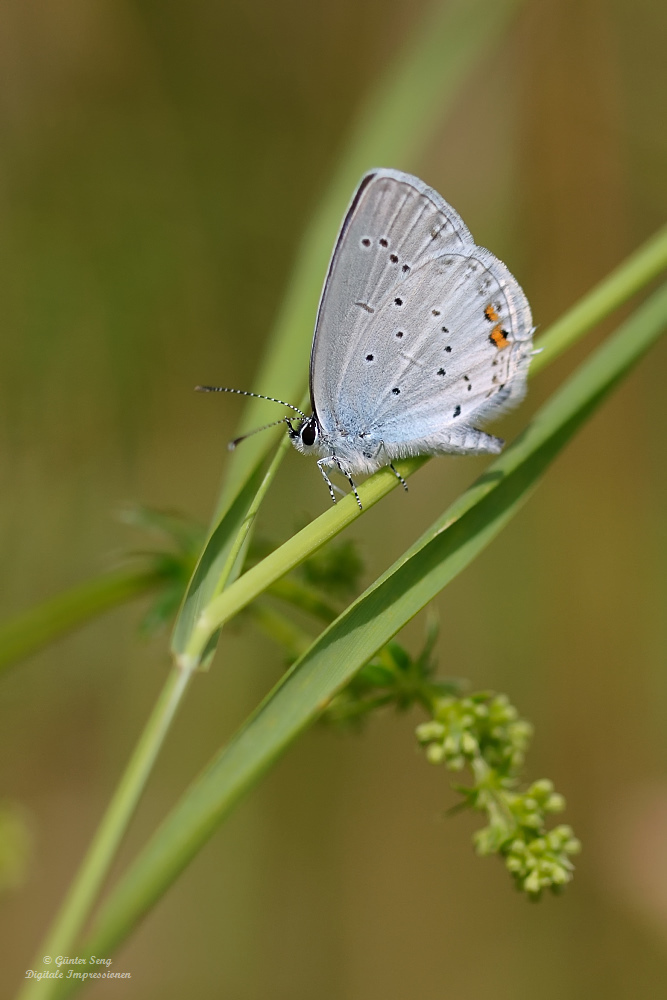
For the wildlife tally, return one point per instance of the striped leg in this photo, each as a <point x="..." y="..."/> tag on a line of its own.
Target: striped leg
<point x="350" y="480"/>
<point x="399" y="477"/>
<point x="330" y="485"/>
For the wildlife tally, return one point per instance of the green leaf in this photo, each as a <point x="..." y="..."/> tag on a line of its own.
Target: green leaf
<point x="210" y="570"/>
<point x="440" y="554"/>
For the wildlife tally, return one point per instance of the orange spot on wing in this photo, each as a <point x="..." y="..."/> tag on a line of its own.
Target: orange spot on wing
<point x="497" y="337"/>
<point x="491" y="314"/>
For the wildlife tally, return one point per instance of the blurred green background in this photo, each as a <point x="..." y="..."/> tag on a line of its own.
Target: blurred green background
<point x="158" y="165"/>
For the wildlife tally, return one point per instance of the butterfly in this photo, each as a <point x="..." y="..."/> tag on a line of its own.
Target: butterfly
<point x="421" y="335"/>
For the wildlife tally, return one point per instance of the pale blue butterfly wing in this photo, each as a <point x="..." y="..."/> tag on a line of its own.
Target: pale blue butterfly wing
<point x="420" y="333"/>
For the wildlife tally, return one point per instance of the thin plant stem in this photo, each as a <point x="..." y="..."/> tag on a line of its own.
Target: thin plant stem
<point x="95" y="866"/>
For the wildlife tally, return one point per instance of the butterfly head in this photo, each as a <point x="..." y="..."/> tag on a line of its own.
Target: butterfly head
<point x="306" y="436"/>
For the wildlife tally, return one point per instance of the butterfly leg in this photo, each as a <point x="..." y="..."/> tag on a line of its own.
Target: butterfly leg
<point x="320" y="465"/>
<point x="350" y="480"/>
<point x="399" y="477"/>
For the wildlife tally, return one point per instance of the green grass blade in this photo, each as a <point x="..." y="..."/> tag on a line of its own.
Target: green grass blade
<point x="219" y="561"/>
<point x="442" y="552"/>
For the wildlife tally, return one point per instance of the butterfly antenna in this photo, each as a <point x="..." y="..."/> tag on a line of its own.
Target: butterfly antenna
<point x="256" y="395"/>
<point x="232" y="444"/>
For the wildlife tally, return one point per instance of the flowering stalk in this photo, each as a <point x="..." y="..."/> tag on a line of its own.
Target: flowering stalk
<point x="484" y="732"/>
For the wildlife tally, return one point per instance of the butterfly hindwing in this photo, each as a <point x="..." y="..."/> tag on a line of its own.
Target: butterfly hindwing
<point x="455" y="350"/>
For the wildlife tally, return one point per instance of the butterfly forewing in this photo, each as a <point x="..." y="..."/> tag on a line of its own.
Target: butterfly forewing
<point x="394" y="225"/>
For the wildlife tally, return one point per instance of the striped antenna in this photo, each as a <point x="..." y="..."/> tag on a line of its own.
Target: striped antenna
<point x="256" y="395"/>
<point x="285" y="420"/>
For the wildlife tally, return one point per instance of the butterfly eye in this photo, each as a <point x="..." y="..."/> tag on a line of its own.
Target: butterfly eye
<point x="309" y="433"/>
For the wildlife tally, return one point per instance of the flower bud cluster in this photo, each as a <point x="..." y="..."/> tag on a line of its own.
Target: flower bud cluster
<point x="484" y="732"/>
<point x="538" y="863"/>
<point x="481" y="725"/>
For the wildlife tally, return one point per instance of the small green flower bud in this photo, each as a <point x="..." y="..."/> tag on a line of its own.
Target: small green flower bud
<point x="541" y="788"/>
<point x="435" y="753"/>
<point x="431" y="730"/>
<point x="532" y="883"/>
<point x="560" y="876"/>
<point x="555" y="803"/>
<point x="563" y="832"/>
<point x="521" y="731"/>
